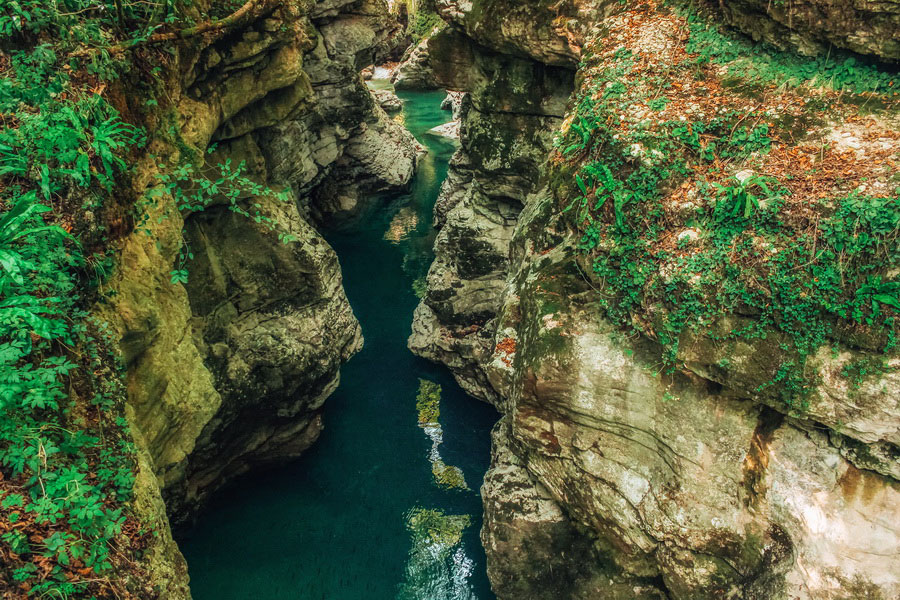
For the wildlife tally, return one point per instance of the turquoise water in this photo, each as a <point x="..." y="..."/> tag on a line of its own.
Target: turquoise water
<point x="383" y="506"/>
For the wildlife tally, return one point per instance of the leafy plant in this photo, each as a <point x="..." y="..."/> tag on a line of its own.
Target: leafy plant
<point x="20" y="224"/>
<point x="66" y="458"/>
<point x="762" y="62"/>
<point x="66" y="462"/>
<point x="739" y="201"/>
<point x="194" y="191"/>
<point x="632" y="186"/>
<point x="422" y="23"/>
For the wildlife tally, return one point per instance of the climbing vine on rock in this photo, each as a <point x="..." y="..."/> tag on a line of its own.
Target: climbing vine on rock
<point x="67" y="460"/>
<point x="195" y="189"/>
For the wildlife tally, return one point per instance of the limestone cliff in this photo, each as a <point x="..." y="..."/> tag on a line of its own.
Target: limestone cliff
<point x="508" y="119"/>
<point x="230" y="369"/>
<point x="694" y="482"/>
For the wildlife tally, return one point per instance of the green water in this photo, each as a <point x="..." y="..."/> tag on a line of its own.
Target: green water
<point x="362" y="515"/>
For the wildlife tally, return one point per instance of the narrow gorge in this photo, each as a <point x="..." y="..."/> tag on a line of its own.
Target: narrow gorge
<point x="450" y="299"/>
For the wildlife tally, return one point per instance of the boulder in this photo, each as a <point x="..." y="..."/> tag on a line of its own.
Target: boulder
<point x="387" y="100"/>
<point x="414" y="73"/>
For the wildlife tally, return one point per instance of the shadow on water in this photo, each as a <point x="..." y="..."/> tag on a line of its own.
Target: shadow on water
<point x="362" y="514"/>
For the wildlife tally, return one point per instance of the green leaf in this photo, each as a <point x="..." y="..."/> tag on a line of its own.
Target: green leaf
<point x="887" y="299"/>
<point x="581" y="185"/>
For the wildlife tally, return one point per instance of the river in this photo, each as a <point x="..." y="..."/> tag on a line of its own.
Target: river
<point x="385" y="505"/>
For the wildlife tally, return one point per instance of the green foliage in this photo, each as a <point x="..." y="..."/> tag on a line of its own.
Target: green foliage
<point x="658" y="103"/>
<point x="85" y="22"/>
<point x="54" y="456"/>
<point x="721" y="137"/>
<point x="858" y="370"/>
<point x="66" y="457"/>
<point x="740" y="201"/>
<point x="749" y="261"/>
<point x="193" y="190"/>
<point x="763" y="63"/>
<point x="422" y="23"/>
<point x="74" y="144"/>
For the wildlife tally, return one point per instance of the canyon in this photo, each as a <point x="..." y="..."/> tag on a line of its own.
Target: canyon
<point x="229" y="372"/>
<point x="612" y="266"/>
<point x="609" y="478"/>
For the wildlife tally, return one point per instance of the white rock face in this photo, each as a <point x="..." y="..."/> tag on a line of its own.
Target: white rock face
<point x="453" y="103"/>
<point x="414" y="73"/>
<point x="384" y="151"/>
<point x="448" y="130"/>
<point x="843" y="520"/>
<point x="717" y="495"/>
<point x="526" y="526"/>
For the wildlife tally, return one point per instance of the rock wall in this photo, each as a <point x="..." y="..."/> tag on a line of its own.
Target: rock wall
<point x="812" y="26"/>
<point x="507" y="123"/>
<point x="415" y="72"/>
<point x="609" y="477"/>
<point x="230" y="370"/>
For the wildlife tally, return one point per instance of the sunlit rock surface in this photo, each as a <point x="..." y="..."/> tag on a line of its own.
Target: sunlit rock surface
<point x="415" y="72"/>
<point x="387" y="100"/>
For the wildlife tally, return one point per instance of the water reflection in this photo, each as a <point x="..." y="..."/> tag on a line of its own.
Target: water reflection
<point x="404" y="222"/>
<point x="438" y="567"/>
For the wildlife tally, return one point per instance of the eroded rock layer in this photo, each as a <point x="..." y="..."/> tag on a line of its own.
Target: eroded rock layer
<point x="508" y="119"/>
<point x="612" y="476"/>
<point x="230" y="370"/>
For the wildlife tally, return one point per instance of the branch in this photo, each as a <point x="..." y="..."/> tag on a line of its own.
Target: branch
<point x="250" y="10"/>
<point x="120" y="14"/>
